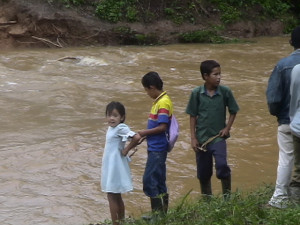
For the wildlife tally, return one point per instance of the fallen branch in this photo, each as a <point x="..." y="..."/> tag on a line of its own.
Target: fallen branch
<point x="47" y="41"/>
<point x="8" y="23"/>
<point x="67" y="57"/>
<point x="93" y="35"/>
<point x="58" y="42"/>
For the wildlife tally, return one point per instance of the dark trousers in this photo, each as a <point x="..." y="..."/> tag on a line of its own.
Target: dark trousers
<point x="296" y="176"/>
<point x="154" y="179"/>
<point x="204" y="161"/>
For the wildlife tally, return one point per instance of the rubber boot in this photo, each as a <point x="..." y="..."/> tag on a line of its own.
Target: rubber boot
<point x="156" y="204"/>
<point x="226" y="187"/>
<point x="156" y="207"/>
<point x="165" y="203"/>
<point x="206" y="188"/>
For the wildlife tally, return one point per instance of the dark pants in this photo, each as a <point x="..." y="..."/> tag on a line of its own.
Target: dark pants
<point x="295" y="183"/>
<point x="296" y="176"/>
<point x="205" y="161"/>
<point x="154" y="179"/>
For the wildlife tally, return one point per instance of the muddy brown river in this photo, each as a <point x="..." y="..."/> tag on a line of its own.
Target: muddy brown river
<point x="53" y="124"/>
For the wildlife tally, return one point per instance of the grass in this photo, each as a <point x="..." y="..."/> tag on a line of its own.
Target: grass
<point x="241" y="209"/>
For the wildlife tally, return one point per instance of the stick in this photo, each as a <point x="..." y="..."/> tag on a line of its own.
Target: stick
<point x="46" y="41"/>
<point x="8" y="23"/>
<point x="134" y="151"/>
<point x="203" y="146"/>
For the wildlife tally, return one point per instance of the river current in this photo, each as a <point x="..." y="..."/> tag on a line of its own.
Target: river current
<point x="53" y="124"/>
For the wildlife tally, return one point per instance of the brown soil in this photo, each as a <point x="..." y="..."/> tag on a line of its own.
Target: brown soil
<point x="37" y="23"/>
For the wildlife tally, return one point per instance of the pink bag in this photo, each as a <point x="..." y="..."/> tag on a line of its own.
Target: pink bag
<point x="173" y="133"/>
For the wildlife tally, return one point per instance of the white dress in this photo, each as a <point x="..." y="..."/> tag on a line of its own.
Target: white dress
<point x="115" y="171"/>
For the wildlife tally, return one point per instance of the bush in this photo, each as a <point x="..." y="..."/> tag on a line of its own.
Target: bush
<point x="130" y="37"/>
<point x="201" y="36"/>
<point x="114" y="10"/>
<point x="74" y="2"/>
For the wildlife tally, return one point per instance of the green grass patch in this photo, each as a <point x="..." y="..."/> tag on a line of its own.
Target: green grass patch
<point x="241" y="209"/>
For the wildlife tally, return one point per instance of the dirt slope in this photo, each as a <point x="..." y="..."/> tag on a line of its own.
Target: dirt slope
<point x="37" y="23"/>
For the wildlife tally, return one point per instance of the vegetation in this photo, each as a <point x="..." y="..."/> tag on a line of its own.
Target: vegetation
<point x="193" y="11"/>
<point x="241" y="209"/>
<point x="187" y="11"/>
<point x="235" y="10"/>
<point x="129" y="37"/>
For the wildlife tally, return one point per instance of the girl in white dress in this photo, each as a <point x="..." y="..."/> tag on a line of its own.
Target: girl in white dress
<point x="115" y="171"/>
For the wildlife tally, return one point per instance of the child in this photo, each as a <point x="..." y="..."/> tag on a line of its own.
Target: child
<point x="115" y="172"/>
<point x="207" y="110"/>
<point x="154" y="179"/>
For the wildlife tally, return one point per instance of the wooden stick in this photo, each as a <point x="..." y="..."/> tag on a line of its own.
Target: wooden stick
<point x="46" y="41"/>
<point x="134" y="151"/>
<point x="8" y="23"/>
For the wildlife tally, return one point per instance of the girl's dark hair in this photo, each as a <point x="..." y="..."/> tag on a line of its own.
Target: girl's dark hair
<point x="118" y="106"/>
<point x="295" y="37"/>
<point x="207" y="66"/>
<point x="152" y="79"/>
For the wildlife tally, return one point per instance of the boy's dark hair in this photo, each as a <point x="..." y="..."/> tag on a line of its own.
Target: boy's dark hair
<point x="295" y="38"/>
<point x="118" y="106"/>
<point x="207" y="66"/>
<point x="152" y="79"/>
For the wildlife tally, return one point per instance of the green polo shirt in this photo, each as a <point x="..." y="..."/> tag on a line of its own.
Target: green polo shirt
<point x="210" y="111"/>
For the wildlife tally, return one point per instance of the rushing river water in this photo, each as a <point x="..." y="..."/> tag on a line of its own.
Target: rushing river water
<point x="53" y="124"/>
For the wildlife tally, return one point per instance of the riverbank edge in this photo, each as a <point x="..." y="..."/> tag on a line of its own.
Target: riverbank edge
<point x="39" y="24"/>
<point x="249" y="207"/>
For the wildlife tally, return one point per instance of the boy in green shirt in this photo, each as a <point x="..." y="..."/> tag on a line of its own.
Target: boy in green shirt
<point x="207" y="109"/>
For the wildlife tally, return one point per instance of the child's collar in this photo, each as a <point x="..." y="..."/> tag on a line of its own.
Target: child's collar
<point x="162" y="94"/>
<point x="203" y="90"/>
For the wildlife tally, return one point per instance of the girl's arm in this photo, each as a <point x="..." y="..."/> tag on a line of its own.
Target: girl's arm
<point x="225" y="131"/>
<point x="134" y="142"/>
<point x="194" y="141"/>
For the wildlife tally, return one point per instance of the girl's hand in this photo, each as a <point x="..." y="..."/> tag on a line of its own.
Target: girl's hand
<point x="124" y="152"/>
<point x="134" y="151"/>
<point x="135" y="140"/>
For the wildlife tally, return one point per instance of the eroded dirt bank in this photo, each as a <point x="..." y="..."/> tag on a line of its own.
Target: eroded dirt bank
<point x="37" y="23"/>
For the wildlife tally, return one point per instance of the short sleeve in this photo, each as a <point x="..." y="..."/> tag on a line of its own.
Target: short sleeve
<point x="192" y="106"/>
<point x="124" y="132"/>
<point x="164" y="108"/>
<point x="233" y="107"/>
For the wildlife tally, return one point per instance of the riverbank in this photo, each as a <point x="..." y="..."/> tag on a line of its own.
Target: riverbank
<point x="242" y="208"/>
<point x="38" y="23"/>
